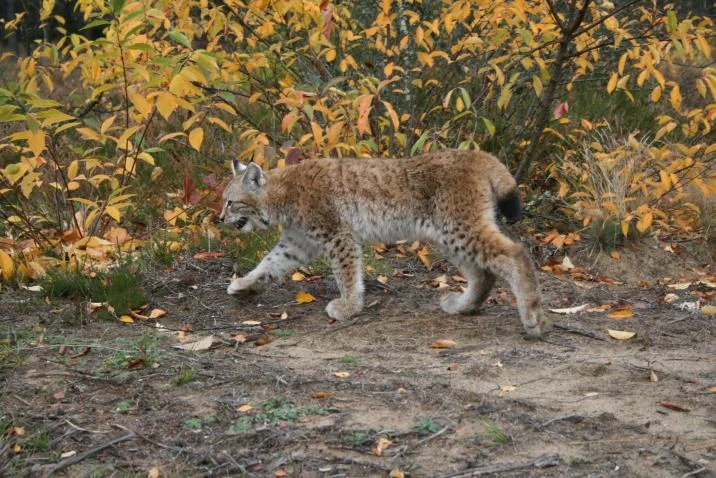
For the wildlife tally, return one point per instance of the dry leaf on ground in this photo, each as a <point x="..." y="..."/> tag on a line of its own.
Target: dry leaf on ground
<point x="570" y="310"/>
<point x="624" y="313"/>
<point x="322" y="395"/>
<point x="507" y="388"/>
<point x="245" y="408"/>
<point x="621" y="334"/>
<point x="297" y="277"/>
<point x="126" y="319"/>
<point x="673" y="406"/>
<point x="304" y="298"/>
<point x="342" y="374"/>
<point x="381" y="445"/>
<point x="202" y="344"/>
<point x="443" y="344"/>
<point x="251" y="322"/>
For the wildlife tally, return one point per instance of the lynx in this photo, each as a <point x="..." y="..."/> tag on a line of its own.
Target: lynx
<point x="332" y="206"/>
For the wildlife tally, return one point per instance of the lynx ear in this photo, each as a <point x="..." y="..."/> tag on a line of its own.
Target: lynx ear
<point x="254" y="177"/>
<point x="237" y="167"/>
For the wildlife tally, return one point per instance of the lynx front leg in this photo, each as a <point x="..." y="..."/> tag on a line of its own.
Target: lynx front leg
<point x="287" y="255"/>
<point x="345" y="254"/>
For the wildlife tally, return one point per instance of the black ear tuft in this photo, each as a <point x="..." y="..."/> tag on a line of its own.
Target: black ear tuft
<point x="237" y="167"/>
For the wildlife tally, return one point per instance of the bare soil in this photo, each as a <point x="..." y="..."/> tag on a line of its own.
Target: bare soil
<point x="577" y="403"/>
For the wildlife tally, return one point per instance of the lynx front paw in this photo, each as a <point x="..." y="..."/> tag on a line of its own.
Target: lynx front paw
<point x="240" y="285"/>
<point x="457" y="303"/>
<point x="339" y="309"/>
<point x="537" y="325"/>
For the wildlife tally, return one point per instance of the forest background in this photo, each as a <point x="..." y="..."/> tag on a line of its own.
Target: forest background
<point x="119" y="117"/>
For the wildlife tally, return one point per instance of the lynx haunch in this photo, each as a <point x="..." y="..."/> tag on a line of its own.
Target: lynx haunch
<point x="332" y="206"/>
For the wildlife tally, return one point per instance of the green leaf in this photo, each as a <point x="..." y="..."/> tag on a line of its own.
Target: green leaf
<point x="179" y="38"/>
<point x="418" y="145"/>
<point x="116" y="6"/>
<point x="672" y="21"/>
<point x="489" y="125"/>
<point x="95" y="23"/>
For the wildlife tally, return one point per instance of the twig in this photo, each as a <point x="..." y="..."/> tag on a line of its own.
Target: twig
<point x="77" y="458"/>
<point x="542" y="461"/>
<point x="576" y="418"/>
<point x="20" y="399"/>
<point x="80" y="428"/>
<point x="583" y="333"/>
<point x="695" y="472"/>
<point x="149" y="440"/>
<point x="431" y="437"/>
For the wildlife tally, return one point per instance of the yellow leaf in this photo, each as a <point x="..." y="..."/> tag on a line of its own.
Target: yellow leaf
<point x="72" y="169"/>
<point x="709" y="310"/>
<point x="113" y="212"/>
<point x="297" y="276"/>
<point x="620" y="334"/>
<point x="317" y="132"/>
<point x="140" y="104"/>
<point x="393" y="115"/>
<point x="304" y="298"/>
<point x="381" y="445"/>
<point x="396" y="473"/>
<point x="245" y="408"/>
<point x="537" y="84"/>
<point x="342" y="374"/>
<point x="656" y="94"/>
<point x="7" y="265"/>
<point x="624" y="313"/>
<point x="507" y="388"/>
<point x="89" y="134"/>
<point x="675" y="98"/>
<point x="644" y="223"/>
<point x="331" y="55"/>
<point x="443" y="344"/>
<point x="166" y="104"/>
<point x="611" y="86"/>
<point x="126" y="319"/>
<point x="196" y="137"/>
<point x="107" y="124"/>
<point x="157" y="313"/>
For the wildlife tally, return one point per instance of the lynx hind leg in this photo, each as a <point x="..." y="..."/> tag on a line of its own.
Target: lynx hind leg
<point x="479" y="284"/>
<point x="345" y="255"/>
<point x="510" y="260"/>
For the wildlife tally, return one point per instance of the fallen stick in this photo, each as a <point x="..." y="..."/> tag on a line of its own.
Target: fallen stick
<point x="542" y="461"/>
<point x="583" y="333"/>
<point x="78" y="458"/>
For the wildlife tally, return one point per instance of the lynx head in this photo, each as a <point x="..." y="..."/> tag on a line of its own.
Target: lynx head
<point x="245" y="197"/>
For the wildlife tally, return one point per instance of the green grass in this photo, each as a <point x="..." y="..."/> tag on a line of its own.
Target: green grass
<point x="495" y="435"/>
<point x="274" y="412"/>
<point x="121" y="287"/>
<point x="129" y="350"/>
<point x="425" y="426"/>
<point x="193" y="423"/>
<point x="358" y="438"/>
<point x="123" y="406"/>
<point x="349" y="360"/>
<point x="185" y="376"/>
<point x="161" y="250"/>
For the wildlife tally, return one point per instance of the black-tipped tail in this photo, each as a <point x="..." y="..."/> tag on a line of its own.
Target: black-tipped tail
<point x="509" y="206"/>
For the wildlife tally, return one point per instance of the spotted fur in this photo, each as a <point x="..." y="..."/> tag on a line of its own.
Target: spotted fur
<point x="332" y="206"/>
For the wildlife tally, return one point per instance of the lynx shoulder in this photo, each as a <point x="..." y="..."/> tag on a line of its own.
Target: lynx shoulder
<point x="332" y="206"/>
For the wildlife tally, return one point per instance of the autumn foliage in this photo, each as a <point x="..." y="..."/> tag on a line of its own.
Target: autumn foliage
<point x="142" y="116"/>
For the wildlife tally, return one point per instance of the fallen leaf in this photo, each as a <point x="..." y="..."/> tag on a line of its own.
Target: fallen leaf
<point x="620" y="334"/>
<point x="202" y="344"/>
<point x="68" y="454"/>
<point x="263" y="340"/>
<point x="135" y="364"/>
<point x="673" y="406"/>
<point x="396" y="473"/>
<point x="251" y="322"/>
<point x="566" y="264"/>
<point x="600" y="308"/>
<point x="58" y="395"/>
<point x="498" y="364"/>
<point x="19" y="431"/>
<point x="157" y="313"/>
<point x="32" y="288"/>
<point x="16" y="448"/>
<point x="322" y="395"/>
<point x="616" y="255"/>
<point x="94" y="306"/>
<point x="280" y="473"/>
<point x="126" y="319"/>
<point x="297" y="276"/>
<point x="284" y="315"/>
<point x="245" y="408"/>
<point x="712" y="389"/>
<point x="507" y="388"/>
<point x="342" y="374"/>
<point x="304" y="298"/>
<point x="443" y="344"/>
<point x="653" y="377"/>
<point x="382" y="279"/>
<point x="381" y="445"/>
<point x="153" y="473"/>
<point x="624" y="313"/>
<point x="208" y="255"/>
<point x="82" y="354"/>
<point x="424" y="256"/>
<point x="709" y="310"/>
<point x="238" y="338"/>
<point x="679" y="286"/>
<point x="440" y="282"/>
<point x="670" y="298"/>
<point x="459" y="278"/>
<point x="570" y="310"/>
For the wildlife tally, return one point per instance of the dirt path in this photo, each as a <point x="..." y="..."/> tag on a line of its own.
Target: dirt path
<point x="315" y="401"/>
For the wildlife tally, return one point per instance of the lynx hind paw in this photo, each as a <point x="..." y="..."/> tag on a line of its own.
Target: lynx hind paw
<point x="457" y="303"/>
<point x="339" y="309"/>
<point x="538" y="326"/>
